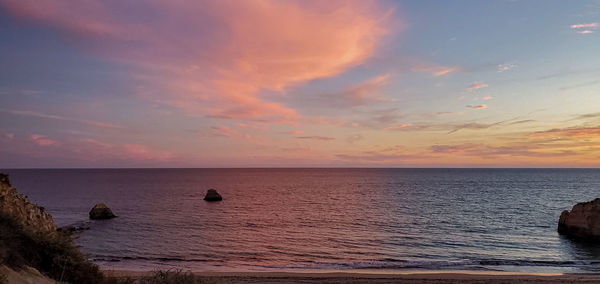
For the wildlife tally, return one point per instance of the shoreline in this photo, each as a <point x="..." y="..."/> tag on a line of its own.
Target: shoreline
<point x="451" y="276"/>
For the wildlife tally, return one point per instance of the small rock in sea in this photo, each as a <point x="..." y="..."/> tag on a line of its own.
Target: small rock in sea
<point x="583" y="221"/>
<point x="212" y="195"/>
<point x="101" y="211"/>
<point x="69" y="230"/>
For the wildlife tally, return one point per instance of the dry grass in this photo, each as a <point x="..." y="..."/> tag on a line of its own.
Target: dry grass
<point x="54" y="255"/>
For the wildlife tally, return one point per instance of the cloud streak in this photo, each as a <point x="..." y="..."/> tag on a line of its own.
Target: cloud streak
<point x="323" y="138"/>
<point x="58" y="117"/>
<point x="477" y="106"/>
<point x="435" y="70"/>
<point x="476" y="86"/>
<point x="587" y="28"/>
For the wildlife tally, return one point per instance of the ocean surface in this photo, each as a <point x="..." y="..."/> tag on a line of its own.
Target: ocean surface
<point x="322" y="219"/>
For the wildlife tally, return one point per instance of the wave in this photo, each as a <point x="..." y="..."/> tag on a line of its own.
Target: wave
<point x="380" y="264"/>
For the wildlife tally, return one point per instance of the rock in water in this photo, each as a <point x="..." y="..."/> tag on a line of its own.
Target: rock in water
<point x="583" y="221"/>
<point x="101" y="211"/>
<point x="212" y="195"/>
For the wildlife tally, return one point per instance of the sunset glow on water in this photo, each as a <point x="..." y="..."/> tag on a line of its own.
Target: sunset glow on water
<point x="323" y="219"/>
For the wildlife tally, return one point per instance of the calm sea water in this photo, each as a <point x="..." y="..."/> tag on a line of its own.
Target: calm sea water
<point x="322" y="219"/>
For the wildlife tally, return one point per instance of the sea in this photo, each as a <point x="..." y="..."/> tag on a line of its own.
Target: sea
<point x="322" y="219"/>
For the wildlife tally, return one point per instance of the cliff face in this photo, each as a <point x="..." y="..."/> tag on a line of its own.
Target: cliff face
<point x="18" y="207"/>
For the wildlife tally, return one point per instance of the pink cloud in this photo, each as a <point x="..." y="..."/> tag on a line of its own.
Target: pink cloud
<point x="435" y="70"/>
<point x="477" y="106"/>
<point x="42" y="140"/>
<point x="583" y="32"/>
<point x="585" y="26"/>
<point x="486" y="98"/>
<point x="253" y="127"/>
<point x="296" y="132"/>
<point x="215" y="57"/>
<point x="398" y="126"/>
<point x="476" y="86"/>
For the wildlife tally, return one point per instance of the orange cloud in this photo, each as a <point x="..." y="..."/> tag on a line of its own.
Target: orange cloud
<point x="572" y="132"/>
<point x="486" y="98"/>
<point x="398" y="126"/>
<point x="435" y="70"/>
<point x="477" y="106"/>
<point x="215" y="57"/>
<point x="476" y="86"/>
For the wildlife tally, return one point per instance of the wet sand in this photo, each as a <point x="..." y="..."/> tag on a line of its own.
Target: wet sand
<point x="391" y="277"/>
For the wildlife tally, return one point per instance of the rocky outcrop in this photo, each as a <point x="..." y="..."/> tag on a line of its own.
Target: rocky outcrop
<point x="583" y="221"/>
<point x="101" y="211"/>
<point x="30" y="245"/>
<point x="16" y="206"/>
<point x="212" y="195"/>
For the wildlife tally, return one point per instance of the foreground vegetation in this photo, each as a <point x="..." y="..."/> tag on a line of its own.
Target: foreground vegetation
<point x="54" y="255"/>
<point x="57" y="257"/>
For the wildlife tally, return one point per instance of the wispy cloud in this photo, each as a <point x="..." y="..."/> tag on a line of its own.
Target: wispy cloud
<point x="42" y="140"/>
<point x="477" y="106"/>
<point x="521" y="121"/>
<point x="473" y="126"/>
<point x="584" y="28"/>
<point x="397" y="126"/>
<point x="487" y="98"/>
<point x="435" y="70"/>
<point x="476" y="86"/>
<point x="588" y="115"/>
<point x="575" y="132"/>
<point x="58" y="117"/>
<point x="586" y="84"/>
<point x="506" y="66"/>
<point x="324" y="138"/>
<point x="485" y="150"/>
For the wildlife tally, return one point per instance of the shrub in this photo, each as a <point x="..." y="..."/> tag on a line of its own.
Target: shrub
<point x="53" y="254"/>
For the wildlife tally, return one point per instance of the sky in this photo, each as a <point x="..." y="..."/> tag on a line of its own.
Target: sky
<point x="262" y="83"/>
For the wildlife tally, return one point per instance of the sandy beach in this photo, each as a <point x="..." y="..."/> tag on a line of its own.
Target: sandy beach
<point x="392" y="277"/>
